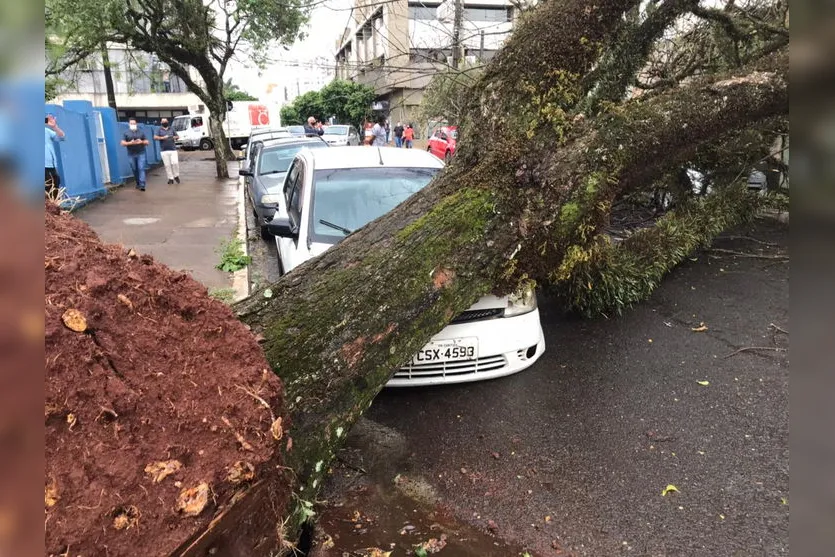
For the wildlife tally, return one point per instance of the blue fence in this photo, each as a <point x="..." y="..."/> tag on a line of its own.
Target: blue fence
<point x="91" y="155"/>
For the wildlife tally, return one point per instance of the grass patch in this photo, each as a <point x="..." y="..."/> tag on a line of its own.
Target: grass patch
<point x="232" y="256"/>
<point x="225" y="295"/>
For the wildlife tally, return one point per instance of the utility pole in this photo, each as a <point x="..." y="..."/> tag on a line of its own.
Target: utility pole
<point x="481" y="48"/>
<point x="457" y="47"/>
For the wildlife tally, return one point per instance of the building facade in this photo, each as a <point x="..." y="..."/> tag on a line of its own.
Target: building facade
<point x="145" y="88"/>
<point x="397" y="47"/>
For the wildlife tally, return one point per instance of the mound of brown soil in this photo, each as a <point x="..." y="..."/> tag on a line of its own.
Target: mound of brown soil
<point x="160" y="407"/>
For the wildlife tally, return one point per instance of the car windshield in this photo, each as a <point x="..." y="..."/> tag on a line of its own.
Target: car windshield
<point x="295" y="129"/>
<point x="277" y="159"/>
<point x="336" y="130"/>
<point x="453" y="134"/>
<point x="346" y="199"/>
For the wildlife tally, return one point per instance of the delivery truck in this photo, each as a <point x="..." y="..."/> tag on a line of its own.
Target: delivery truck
<point x="194" y="130"/>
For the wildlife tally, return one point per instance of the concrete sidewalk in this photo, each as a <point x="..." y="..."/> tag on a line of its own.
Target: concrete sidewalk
<point x="181" y="225"/>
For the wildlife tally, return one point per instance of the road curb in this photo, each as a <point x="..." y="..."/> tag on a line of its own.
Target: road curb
<point x="240" y="279"/>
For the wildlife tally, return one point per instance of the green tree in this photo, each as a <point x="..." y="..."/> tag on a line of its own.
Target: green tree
<point x="186" y="35"/>
<point x="290" y="115"/>
<point x="347" y="101"/>
<point x="234" y="93"/>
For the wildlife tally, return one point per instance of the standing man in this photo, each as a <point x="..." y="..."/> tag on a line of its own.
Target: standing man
<point x="408" y="136"/>
<point x="312" y="129"/>
<point x="135" y="141"/>
<point x="398" y="135"/>
<point x="168" y="149"/>
<point x="388" y="132"/>
<point x="52" y="133"/>
<point x="379" y="133"/>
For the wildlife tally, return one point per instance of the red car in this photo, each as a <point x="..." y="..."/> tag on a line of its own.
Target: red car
<point x="442" y="142"/>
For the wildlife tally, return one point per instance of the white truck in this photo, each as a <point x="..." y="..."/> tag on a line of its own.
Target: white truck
<point x="242" y="117"/>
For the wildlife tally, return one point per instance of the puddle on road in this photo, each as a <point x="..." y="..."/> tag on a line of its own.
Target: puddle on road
<point x="378" y="516"/>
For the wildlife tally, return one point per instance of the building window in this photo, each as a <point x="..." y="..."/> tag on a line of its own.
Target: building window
<point x="423" y="10"/>
<point x="488" y="14"/>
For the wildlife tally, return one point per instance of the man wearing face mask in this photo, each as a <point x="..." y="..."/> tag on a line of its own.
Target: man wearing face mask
<point x="135" y="140"/>
<point x="168" y="149"/>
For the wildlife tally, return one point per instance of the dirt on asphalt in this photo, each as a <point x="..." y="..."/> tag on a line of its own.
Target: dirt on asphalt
<point x="160" y="408"/>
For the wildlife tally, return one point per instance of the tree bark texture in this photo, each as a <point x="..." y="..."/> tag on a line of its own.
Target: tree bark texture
<point x="336" y="328"/>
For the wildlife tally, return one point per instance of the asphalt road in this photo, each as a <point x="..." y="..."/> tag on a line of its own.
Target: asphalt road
<point x="571" y="456"/>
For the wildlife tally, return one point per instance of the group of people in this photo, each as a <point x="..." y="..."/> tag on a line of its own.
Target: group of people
<point x="134" y="140"/>
<point x="379" y="134"/>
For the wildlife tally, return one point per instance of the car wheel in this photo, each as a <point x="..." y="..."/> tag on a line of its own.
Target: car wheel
<point x="265" y="234"/>
<point x="206" y="144"/>
<point x="447" y="157"/>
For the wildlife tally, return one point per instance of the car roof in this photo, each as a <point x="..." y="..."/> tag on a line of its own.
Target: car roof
<point x="365" y="157"/>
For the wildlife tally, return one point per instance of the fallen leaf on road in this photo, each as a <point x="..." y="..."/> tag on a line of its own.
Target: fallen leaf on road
<point x="700" y="329"/>
<point x="375" y="552"/>
<point x="703" y="383"/>
<point x="784" y="501"/>
<point x="548" y="519"/>
<point x="669" y="489"/>
<point x="433" y="545"/>
<point x="268" y="293"/>
<point x="327" y="543"/>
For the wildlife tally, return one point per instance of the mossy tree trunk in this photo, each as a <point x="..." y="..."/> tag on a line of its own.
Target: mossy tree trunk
<point x="336" y="328"/>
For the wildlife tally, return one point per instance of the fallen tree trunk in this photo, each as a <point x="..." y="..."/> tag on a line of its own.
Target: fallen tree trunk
<point x="336" y="328"/>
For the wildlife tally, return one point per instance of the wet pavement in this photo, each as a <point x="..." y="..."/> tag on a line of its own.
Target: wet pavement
<point x="181" y="225"/>
<point x="571" y="456"/>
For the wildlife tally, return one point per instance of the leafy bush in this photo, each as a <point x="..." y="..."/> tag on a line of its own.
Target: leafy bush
<point x="232" y="256"/>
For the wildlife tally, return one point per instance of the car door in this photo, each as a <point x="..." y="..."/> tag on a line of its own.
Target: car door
<point x="437" y="146"/>
<point x="289" y="248"/>
<point x="250" y="164"/>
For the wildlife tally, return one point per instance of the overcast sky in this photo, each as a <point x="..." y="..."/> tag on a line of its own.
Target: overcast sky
<point x="327" y="22"/>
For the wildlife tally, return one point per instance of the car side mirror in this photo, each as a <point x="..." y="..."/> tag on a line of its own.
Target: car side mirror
<point x="240" y="158"/>
<point x="244" y="172"/>
<point x="282" y="228"/>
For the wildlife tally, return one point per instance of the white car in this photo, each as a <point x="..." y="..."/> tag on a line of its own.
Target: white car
<point x="340" y="135"/>
<point x="329" y="193"/>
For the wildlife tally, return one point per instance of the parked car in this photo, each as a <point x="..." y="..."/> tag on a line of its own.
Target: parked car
<point x="265" y="176"/>
<point x="329" y="193"/>
<point x="340" y="135"/>
<point x="442" y="143"/>
<point x="262" y="134"/>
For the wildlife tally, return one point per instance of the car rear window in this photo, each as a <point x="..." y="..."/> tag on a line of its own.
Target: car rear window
<point x="350" y="198"/>
<point x="277" y="159"/>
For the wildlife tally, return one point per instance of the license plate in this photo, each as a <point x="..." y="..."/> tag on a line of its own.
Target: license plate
<point x="452" y="350"/>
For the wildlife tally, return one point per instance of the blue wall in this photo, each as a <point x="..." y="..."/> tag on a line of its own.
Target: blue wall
<point x="79" y="163"/>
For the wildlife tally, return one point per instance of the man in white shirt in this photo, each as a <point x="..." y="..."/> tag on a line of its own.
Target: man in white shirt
<point x="379" y="132"/>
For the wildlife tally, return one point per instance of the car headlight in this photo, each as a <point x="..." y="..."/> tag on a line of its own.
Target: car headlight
<point x="520" y="303"/>
<point x="270" y="199"/>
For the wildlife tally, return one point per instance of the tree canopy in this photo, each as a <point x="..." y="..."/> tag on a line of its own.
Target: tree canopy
<point x="197" y="39"/>
<point x="234" y="93"/>
<point x="348" y="102"/>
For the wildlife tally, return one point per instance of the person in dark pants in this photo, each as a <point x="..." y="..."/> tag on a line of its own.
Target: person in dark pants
<point x="135" y="141"/>
<point x="52" y="181"/>
<point x="398" y="135"/>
